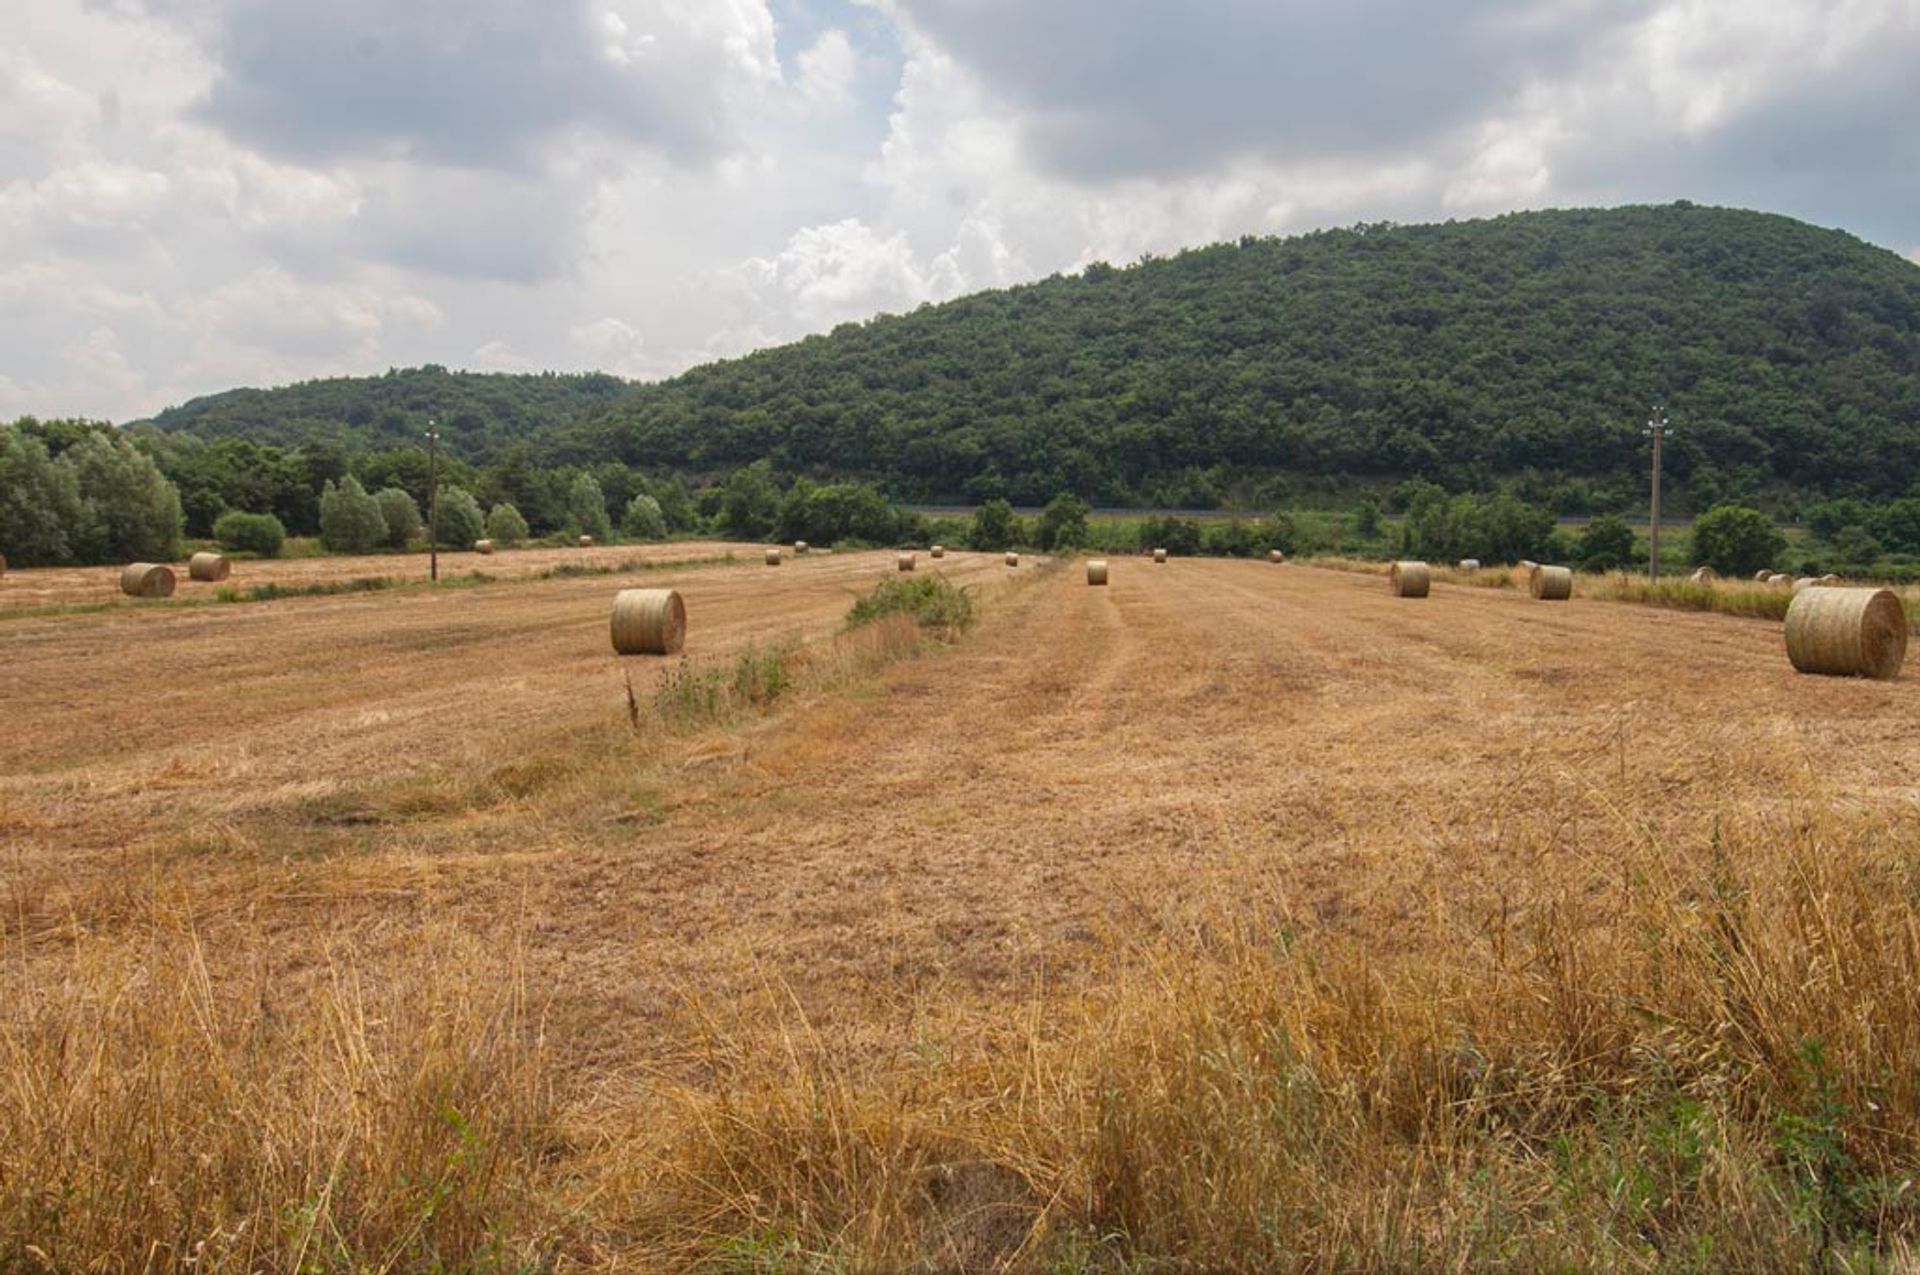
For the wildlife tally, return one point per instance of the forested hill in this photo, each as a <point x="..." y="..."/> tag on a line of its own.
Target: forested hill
<point x="479" y="413"/>
<point x="1788" y="356"/>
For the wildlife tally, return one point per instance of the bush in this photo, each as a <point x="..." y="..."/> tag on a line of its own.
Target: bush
<point x="644" y="519"/>
<point x="1736" y="541"/>
<point x="1606" y="545"/>
<point x="1063" y="523"/>
<point x="240" y="532"/>
<point x="1181" y="537"/>
<point x="402" y="515"/>
<point x="994" y="526"/>
<point x="350" y="520"/>
<point x="932" y="601"/>
<point x="460" y="520"/>
<point x="505" y="524"/>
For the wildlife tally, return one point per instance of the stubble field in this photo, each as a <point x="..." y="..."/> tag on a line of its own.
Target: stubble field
<point x="1232" y="915"/>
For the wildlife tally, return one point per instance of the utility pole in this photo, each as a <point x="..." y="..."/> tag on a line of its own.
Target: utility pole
<point x="1657" y="430"/>
<point x="433" y="500"/>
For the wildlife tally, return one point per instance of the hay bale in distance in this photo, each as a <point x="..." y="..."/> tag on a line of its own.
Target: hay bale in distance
<point x="1096" y="571"/>
<point x="1468" y="565"/>
<point x="1703" y="575"/>
<point x="208" y="568"/>
<point x="1274" y="555"/>
<point x="773" y="557"/>
<point x="1803" y="584"/>
<point x="1828" y="578"/>
<point x="1013" y="559"/>
<point x="1523" y="572"/>
<point x="1847" y="632"/>
<point x="905" y="562"/>
<point x="938" y="551"/>
<point x="799" y="548"/>
<point x="1552" y="584"/>
<point x="649" y="622"/>
<point x="1763" y="575"/>
<point x="1780" y="580"/>
<point x="146" y="580"/>
<point x="586" y="542"/>
<point x="483" y="546"/>
<point x="1160" y="556"/>
<point x="1410" y="579"/>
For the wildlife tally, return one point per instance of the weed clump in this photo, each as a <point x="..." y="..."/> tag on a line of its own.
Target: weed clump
<point x="936" y="605"/>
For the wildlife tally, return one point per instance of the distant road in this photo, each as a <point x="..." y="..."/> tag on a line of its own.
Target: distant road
<point x="1228" y="515"/>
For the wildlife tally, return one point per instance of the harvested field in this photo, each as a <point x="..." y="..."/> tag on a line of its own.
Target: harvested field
<point x="91" y="586"/>
<point x="985" y="958"/>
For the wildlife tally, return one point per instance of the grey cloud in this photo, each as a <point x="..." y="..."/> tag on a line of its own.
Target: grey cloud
<point x="479" y="83"/>
<point x="1131" y="88"/>
<point x="476" y="226"/>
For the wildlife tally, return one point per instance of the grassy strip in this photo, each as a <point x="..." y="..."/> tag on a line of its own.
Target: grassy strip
<point x="932" y="601"/>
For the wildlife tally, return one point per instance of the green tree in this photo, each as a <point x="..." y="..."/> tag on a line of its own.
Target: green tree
<point x="749" y="502"/>
<point x="505" y="524"/>
<point x="994" y="526"/>
<point x="401" y="514"/>
<point x="643" y="519"/>
<point x="1605" y="545"/>
<point x="42" y="520"/>
<point x="587" y="508"/>
<point x="133" y="511"/>
<point x="1736" y="541"/>
<point x="1366" y="518"/>
<point x="460" y="519"/>
<point x="250" y="533"/>
<point x="1063" y="523"/>
<point x="350" y="520"/>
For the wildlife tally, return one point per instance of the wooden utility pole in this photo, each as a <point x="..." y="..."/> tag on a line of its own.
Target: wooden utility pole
<point x="433" y="500"/>
<point x="1657" y="428"/>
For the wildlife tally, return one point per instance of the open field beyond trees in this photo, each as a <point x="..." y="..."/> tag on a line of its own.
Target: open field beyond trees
<point x="1231" y="916"/>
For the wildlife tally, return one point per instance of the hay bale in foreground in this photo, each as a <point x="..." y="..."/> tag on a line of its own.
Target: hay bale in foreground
<point x="146" y="580"/>
<point x="1096" y="571"/>
<point x="938" y="551"/>
<point x="773" y="557"/>
<point x="1274" y="555"/>
<point x="649" y="622"/>
<point x="586" y="542"/>
<point x="1703" y="575"/>
<point x="1552" y="584"/>
<point x="1847" y="632"/>
<point x="905" y="562"/>
<point x="1410" y="579"/>
<point x="1468" y="565"/>
<point x="1013" y="559"/>
<point x="1160" y="556"/>
<point x="208" y="568"/>
<point x="483" y="546"/>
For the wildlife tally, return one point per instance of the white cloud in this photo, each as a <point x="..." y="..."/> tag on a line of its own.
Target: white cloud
<point x="827" y="69"/>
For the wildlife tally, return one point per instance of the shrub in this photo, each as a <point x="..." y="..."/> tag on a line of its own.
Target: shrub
<point x="350" y="520"/>
<point x="250" y="533"/>
<point x="1606" y="544"/>
<point x="1736" y="541"/>
<point x="505" y="524"/>
<point x="460" y="521"/>
<point x="643" y="519"/>
<point x="934" y="603"/>
<point x="587" y="508"/>
<point x="994" y="526"/>
<point x="402" y="515"/>
<point x="1063" y="523"/>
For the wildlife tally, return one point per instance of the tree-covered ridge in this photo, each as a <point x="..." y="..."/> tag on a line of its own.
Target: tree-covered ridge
<point x="480" y="414"/>
<point x="1464" y="353"/>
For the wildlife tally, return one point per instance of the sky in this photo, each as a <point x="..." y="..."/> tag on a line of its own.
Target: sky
<point x="199" y="194"/>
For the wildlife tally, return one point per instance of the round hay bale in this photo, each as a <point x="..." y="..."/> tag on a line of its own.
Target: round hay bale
<point x="1410" y="579"/>
<point x="799" y="547"/>
<point x="1160" y="556"/>
<point x="1703" y="575"/>
<point x="1274" y="555"/>
<point x="1828" y="578"/>
<point x="1763" y="575"/>
<point x="1523" y="572"/>
<point x="1803" y="584"/>
<point x="208" y="568"/>
<point x="1552" y="584"/>
<point x="906" y="562"/>
<point x="773" y="557"/>
<point x="586" y="542"/>
<point x="938" y="551"/>
<point x="1847" y="632"/>
<point x="483" y="546"/>
<point x="1013" y="559"/>
<point x="1096" y="571"/>
<point x="649" y="622"/>
<point x="146" y="580"/>
<point x="1468" y="565"/>
<point x="1780" y="580"/>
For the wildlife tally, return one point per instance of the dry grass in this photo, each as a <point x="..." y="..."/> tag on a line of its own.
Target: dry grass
<point x="1059" y="949"/>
